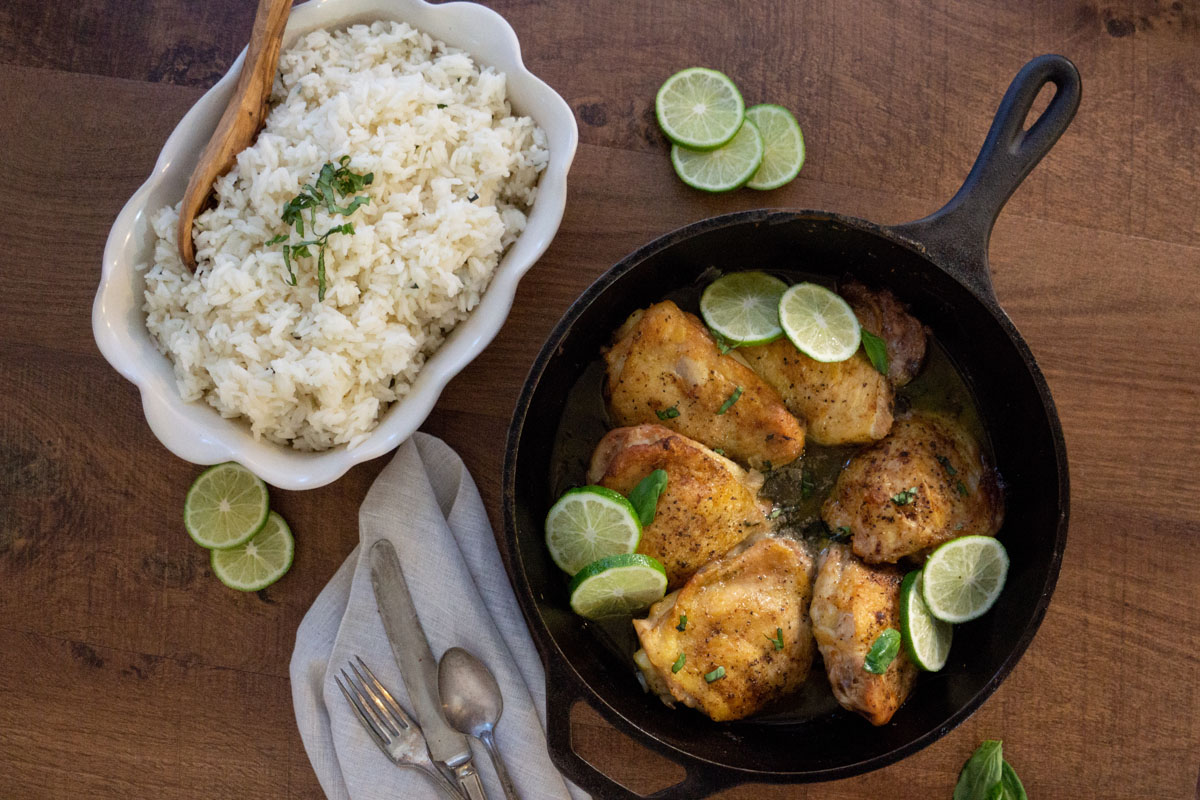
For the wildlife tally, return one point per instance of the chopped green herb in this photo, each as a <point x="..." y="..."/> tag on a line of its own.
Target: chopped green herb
<point x="876" y="350"/>
<point x="729" y="401"/>
<point x="905" y="497"/>
<point x="718" y="451"/>
<point x="882" y="652"/>
<point x="945" y="462"/>
<point x="678" y="665"/>
<point x="715" y="675"/>
<point x="806" y="486"/>
<point x="778" y="640"/>
<point x="775" y="512"/>
<point x="441" y="105"/>
<point x="644" y="497"/>
<point x="334" y="181"/>
<point x="962" y="488"/>
<point x="840" y="534"/>
<point x="668" y="413"/>
<point x="682" y="626"/>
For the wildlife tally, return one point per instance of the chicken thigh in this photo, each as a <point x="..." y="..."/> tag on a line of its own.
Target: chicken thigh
<point x="845" y="402"/>
<point x="883" y="315"/>
<point x="709" y="505"/>
<point x="664" y="367"/>
<point x="736" y="636"/>
<point x="927" y="482"/>
<point x="852" y="605"/>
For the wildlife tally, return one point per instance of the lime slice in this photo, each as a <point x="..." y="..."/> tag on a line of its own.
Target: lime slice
<point x="821" y="324"/>
<point x="259" y="562"/>
<point x="225" y="506"/>
<point x="699" y="108"/>
<point x="783" y="146"/>
<point x="722" y="169"/>
<point x="617" y="586"/>
<point x="743" y="307"/>
<point x="926" y="638"/>
<point x="588" y="523"/>
<point x="964" y="577"/>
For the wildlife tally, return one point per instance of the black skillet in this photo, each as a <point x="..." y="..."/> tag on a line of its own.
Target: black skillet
<point x="939" y="265"/>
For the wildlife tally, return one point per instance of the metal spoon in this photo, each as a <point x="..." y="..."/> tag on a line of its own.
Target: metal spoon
<point x="472" y="703"/>
<point x="242" y="118"/>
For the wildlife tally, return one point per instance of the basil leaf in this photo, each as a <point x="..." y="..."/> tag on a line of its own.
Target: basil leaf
<point x="981" y="773"/>
<point x="882" y="652"/>
<point x="644" y="496"/>
<point x="876" y="351"/>
<point x="1013" y="790"/>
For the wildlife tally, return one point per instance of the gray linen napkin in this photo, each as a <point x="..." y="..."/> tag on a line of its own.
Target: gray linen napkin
<point x="440" y="529"/>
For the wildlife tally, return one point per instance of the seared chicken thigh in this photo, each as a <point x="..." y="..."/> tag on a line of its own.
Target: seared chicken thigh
<point x="845" y="402"/>
<point x="883" y="315"/>
<point x="709" y="505"/>
<point x="664" y="367"/>
<point x="746" y="614"/>
<point x="924" y="484"/>
<point x="852" y="604"/>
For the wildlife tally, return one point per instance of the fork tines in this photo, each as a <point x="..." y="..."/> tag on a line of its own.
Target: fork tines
<point x="373" y="704"/>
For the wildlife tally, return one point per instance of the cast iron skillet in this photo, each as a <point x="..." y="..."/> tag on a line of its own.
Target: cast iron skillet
<point x="938" y="265"/>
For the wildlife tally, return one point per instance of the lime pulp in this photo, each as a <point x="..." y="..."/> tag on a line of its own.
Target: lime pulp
<point x="964" y="577"/>
<point x="926" y="638"/>
<point x="225" y="506"/>
<point x="589" y="523"/>
<point x="724" y="169"/>
<point x="699" y="108"/>
<point x="618" y="586"/>
<point x="819" y="322"/>
<point x="259" y="562"/>
<point x="743" y="307"/>
<point x="783" y="146"/>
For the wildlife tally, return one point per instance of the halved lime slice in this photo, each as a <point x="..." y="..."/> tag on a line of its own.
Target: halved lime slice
<point x="964" y="577"/>
<point x="225" y="506"/>
<point x="618" y="586"/>
<point x="723" y="169"/>
<point x="821" y="324"/>
<point x="699" y="108"/>
<point x="259" y="562"/>
<point x="926" y="638"/>
<point x="783" y="146"/>
<point x="743" y="307"/>
<point x="588" y="523"/>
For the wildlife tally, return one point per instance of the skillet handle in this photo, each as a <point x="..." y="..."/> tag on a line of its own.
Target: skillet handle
<point x="561" y="696"/>
<point x="956" y="236"/>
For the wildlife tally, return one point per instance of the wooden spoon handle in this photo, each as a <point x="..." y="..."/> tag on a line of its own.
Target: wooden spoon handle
<point x="242" y="118"/>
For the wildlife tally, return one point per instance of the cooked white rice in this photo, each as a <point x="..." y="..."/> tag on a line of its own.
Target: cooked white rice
<point x="455" y="173"/>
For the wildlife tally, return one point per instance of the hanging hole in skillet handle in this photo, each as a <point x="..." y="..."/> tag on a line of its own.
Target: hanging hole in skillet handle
<point x="956" y="237"/>
<point x="561" y="697"/>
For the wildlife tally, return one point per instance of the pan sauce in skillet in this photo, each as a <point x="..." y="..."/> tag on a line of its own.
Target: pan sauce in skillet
<point x="797" y="489"/>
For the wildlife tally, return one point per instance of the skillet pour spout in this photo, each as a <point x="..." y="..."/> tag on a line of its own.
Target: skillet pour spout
<point x="939" y="266"/>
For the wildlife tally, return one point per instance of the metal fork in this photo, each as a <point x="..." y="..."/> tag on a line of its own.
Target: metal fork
<point x="389" y="725"/>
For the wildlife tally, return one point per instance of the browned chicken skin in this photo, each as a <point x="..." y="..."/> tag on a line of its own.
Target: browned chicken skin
<point x="710" y="503"/>
<point x="957" y="493"/>
<point x="664" y="362"/>
<point x="886" y="317"/>
<point x="852" y="604"/>
<point x="845" y="402"/>
<point x="747" y="613"/>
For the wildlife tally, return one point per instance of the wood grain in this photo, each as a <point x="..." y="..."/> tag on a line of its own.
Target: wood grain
<point x="127" y="670"/>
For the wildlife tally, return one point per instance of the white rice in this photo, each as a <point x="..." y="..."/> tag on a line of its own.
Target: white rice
<point x="436" y="131"/>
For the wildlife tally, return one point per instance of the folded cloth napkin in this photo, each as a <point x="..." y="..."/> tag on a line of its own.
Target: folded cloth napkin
<point x="441" y="532"/>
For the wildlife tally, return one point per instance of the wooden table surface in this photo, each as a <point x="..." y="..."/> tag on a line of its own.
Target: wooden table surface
<point x="127" y="670"/>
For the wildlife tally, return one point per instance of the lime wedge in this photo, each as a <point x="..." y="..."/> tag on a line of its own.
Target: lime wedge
<point x="783" y="146"/>
<point x="964" y="577"/>
<point x="723" y="169"/>
<point x="926" y="638"/>
<point x="617" y="586"/>
<point x="225" y="506"/>
<point x="821" y="324"/>
<point x="259" y="562"/>
<point x="699" y="108"/>
<point x="588" y="523"/>
<point x="743" y="307"/>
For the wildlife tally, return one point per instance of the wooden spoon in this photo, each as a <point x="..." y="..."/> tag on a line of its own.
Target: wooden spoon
<point x="242" y="118"/>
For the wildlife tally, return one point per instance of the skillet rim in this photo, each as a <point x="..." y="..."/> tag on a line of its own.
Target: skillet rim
<point x="558" y="665"/>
